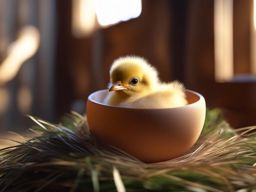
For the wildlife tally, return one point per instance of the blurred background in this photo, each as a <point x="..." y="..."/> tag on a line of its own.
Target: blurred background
<point x="54" y="53"/>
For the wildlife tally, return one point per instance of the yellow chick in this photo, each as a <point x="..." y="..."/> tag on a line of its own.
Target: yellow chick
<point x="135" y="83"/>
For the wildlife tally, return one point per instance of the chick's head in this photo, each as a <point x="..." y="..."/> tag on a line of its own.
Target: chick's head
<point x="132" y="75"/>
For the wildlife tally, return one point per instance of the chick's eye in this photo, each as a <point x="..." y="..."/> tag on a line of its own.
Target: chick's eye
<point x="134" y="81"/>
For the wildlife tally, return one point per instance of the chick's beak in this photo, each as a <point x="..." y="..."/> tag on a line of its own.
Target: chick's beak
<point x="117" y="87"/>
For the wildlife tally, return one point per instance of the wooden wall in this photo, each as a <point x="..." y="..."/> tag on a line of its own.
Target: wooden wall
<point x="177" y="37"/>
<point x="34" y="82"/>
<point x="83" y="63"/>
<point x="236" y="98"/>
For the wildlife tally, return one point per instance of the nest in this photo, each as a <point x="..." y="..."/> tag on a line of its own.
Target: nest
<point x="66" y="157"/>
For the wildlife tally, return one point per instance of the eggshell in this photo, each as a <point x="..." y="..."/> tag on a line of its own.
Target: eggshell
<point x="151" y="135"/>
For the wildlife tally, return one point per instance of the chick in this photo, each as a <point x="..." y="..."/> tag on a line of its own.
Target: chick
<point x="135" y="83"/>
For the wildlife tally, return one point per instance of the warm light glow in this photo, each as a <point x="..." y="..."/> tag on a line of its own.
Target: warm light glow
<point x="89" y="15"/>
<point x="24" y="99"/>
<point x="253" y="40"/>
<point x="84" y="18"/>
<point x="19" y="51"/>
<point x="223" y="39"/>
<point x="114" y="11"/>
<point x="4" y="100"/>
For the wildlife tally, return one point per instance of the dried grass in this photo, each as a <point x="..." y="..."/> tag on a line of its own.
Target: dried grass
<point x="65" y="157"/>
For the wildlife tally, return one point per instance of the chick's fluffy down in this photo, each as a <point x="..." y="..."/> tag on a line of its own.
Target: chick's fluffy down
<point x="148" y="92"/>
<point x="167" y="95"/>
